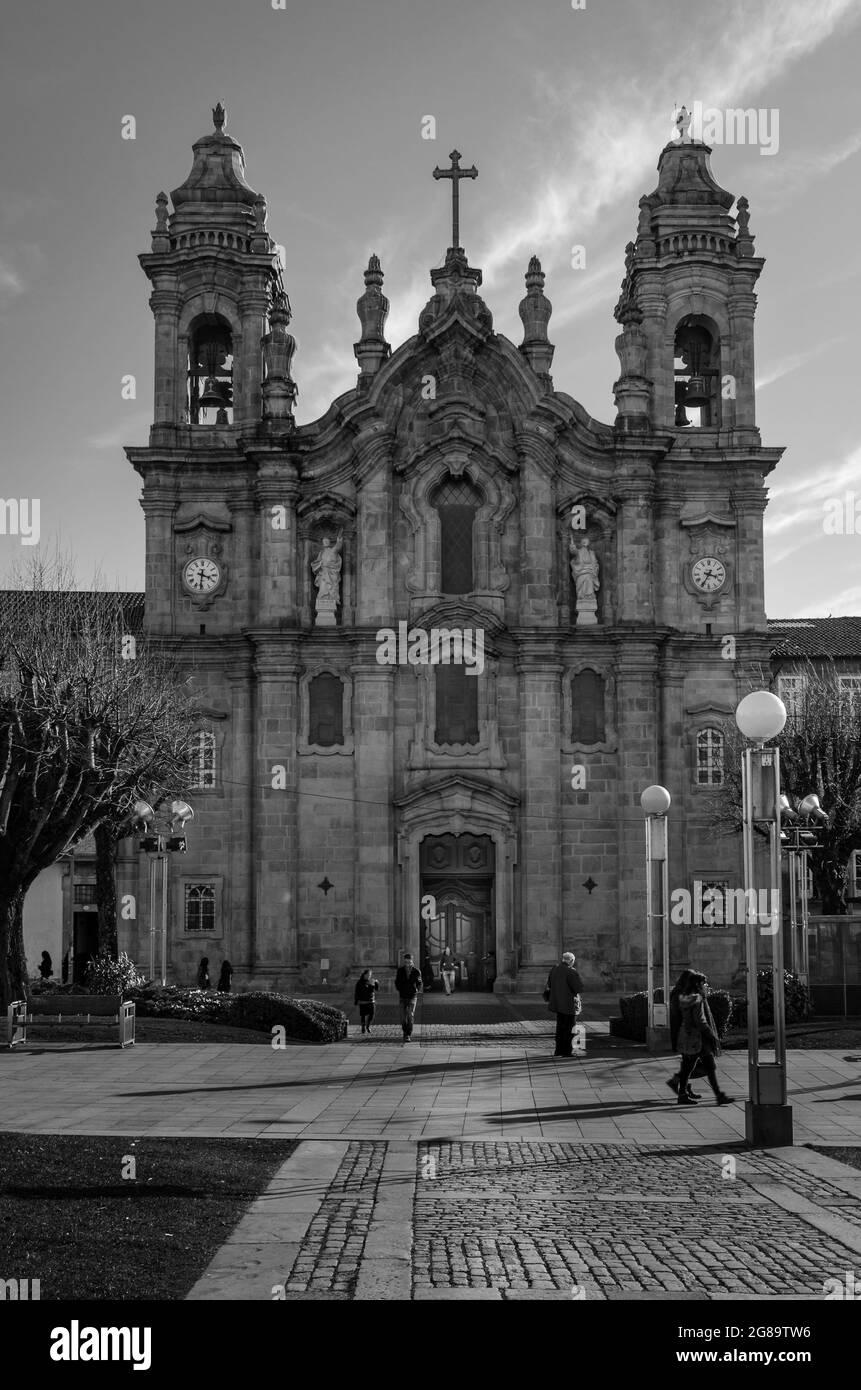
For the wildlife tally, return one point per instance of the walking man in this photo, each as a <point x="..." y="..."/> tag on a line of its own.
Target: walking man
<point x="563" y="999"/>
<point x="408" y="983"/>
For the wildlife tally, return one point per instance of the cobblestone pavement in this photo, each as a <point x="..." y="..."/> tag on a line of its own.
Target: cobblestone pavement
<point x="559" y="1220"/>
<point x="329" y="1259"/>
<point x="611" y="1220"/>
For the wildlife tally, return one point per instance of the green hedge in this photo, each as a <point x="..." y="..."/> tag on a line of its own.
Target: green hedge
<point x="634" y="1011"/>
<point x="799" y="1004"/>
<point x="308" y="1020"/>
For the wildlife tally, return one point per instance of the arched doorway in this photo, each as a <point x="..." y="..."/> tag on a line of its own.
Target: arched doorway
<point x="457" y="871"/>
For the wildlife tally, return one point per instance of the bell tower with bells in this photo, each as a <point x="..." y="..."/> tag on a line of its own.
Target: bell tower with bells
<point x="687" y="306"/>
<point x="215" y="274"/>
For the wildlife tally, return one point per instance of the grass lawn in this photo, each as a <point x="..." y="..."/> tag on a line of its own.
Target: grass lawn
<point x="832" y="1032"/>
<point x="69" y="1219"/>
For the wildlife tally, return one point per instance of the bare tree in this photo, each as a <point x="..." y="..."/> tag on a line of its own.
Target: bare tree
<point x="820" y="751"/>
<point x="92" y="718"/>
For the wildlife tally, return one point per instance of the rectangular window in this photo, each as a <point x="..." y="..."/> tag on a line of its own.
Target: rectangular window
<point x="710" y="751"/>
<point x="326" y="711"/>
<point x="456" y="705"/>
<point x="850" y="693"/>
<point x="790" y="690"/>
<point x="199" y="907"/>
<point x="203" y="761"/>
<point x="85" y="894"/>
<point x="713" y="892"/>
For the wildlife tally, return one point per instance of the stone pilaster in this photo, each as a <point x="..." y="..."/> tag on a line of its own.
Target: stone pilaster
<point x="635" y="539"/>
<point x="375" y="596"/>
<point x="277" y="488"/>
<point x="275" y="831"/>
<point x="638" y="713"/>
<point x="540" y="909"/>
<point x="374" y="860"/>
<point x="538" y="579"/>
<point x="253" y="307"/>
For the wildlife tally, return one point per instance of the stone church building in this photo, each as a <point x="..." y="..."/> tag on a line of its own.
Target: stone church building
<point x="445" y="635"/>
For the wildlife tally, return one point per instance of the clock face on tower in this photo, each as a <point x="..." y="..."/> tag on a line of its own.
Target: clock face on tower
<point x="201" y="575"/>
<point x="708" y="574"/>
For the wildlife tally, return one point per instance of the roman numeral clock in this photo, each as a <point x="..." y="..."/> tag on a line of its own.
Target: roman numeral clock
<point x="707" y="574"/>
<point x="202" y="566"/>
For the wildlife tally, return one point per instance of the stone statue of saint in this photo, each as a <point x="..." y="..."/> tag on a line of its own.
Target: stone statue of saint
<point x="327" y="578"/>
<point x="584" y="571"/>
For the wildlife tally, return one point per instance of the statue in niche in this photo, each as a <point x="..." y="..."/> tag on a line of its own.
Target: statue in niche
<point x="327" y="578"/>
<point x="585" y="573"/>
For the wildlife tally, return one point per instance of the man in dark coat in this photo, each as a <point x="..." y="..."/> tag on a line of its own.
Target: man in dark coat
<point x="408" y="983"/>
<point x="563" y="988"/>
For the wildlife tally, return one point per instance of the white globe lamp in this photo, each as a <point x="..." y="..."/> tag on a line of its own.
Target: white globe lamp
<point x="760" y="715"/>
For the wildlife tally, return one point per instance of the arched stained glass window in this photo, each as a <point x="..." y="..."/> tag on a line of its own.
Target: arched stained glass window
<point x="457" y="501"/>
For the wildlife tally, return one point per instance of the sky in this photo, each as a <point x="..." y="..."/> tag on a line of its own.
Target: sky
<point x="564" y="111"/>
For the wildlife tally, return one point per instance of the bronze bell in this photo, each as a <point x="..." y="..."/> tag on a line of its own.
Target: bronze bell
<point x="681" y="419"/>
<point x="697" y="392"/>
<point x="212" y="395"/>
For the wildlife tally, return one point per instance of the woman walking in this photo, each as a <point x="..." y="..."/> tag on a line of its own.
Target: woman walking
<point x="682" y="986"/>
<point x="698" y="1040"/>
<point x="366" y="989"/>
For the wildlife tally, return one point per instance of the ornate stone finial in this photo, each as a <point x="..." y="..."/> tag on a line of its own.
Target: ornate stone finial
<point x="279" y="389"/>
<point x="373" y="309"/>
<point x="535" y="310"/>
<point x="161" y="212"/>
<point x="682" y="121"/>
<point x="744" y="239"/>
<point x="219" y="115"/>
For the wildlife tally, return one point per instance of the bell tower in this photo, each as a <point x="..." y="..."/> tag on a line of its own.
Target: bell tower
<point x="215" y="273"/>
<point x="687" y="308"/>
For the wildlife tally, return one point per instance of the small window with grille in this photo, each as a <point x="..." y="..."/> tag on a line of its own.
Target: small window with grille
<point x="203" y="761"/>
<point x="587" y="707"/>
<point x="457" y="502"/>
<point x="199" y="907"/>
<point x="790" y="690"/>
<point x="85" y="894"/>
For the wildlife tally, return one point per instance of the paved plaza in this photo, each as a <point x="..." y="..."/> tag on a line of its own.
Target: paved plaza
<point x="486" y="1168"/>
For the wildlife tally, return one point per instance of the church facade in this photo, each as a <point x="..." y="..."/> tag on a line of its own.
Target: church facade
<point x="444" y="636"/>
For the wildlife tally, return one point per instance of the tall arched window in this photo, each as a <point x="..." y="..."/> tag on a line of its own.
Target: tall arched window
<point x="457" y="502"/>
<point x="587" y="707"/>
<point x="456" y="705"/>
<point x="710" y="758"/>
<point x="326" y="710"/>
<point x="203" y="761"/>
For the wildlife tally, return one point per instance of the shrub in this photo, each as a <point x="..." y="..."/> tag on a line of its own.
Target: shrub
<point x="796" y="994"/>
<point x="104" y="975"/>
<point x="635" y="1014"/>
<point x="307" y="1019"/>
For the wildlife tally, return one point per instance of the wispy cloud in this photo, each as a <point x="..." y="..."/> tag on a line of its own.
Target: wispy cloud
<point x="784" y="365"/>
<point x="11" y="284"/>
<point x="785" y="177"/>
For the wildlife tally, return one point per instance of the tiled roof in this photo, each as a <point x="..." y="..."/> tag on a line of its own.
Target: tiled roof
<point x="131" y="604"/>
<point x="814" y="637"/>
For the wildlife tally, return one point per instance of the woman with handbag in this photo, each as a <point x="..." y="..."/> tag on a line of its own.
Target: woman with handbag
<point x="365" y="997"/>
<point x="698" y="1040"/>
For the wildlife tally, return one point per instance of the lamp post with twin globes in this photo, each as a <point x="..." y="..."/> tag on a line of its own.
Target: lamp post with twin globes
<point x="656" y="802"/>
<point x="761" y="716"/>
<point x="163" y="835"/>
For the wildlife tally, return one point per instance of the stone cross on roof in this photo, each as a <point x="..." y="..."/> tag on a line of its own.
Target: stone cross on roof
<point x="455" y="173"/>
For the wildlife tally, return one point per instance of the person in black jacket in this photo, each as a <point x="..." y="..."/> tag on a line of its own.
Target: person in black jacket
<point x="366" y="989"/>
<point x="225" y="977"/>
<point x="698" y="1039"/>
<point x="562" y="995"/>
<point x="408" y="983"/>
<point x="46" y="967"/>
<point x="680" y="987"/>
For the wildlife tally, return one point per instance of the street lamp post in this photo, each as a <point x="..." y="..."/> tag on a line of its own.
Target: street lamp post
<point x="656" y="802"/>
<point x="162" y="836"/>
<point x="768" y="1118"/>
